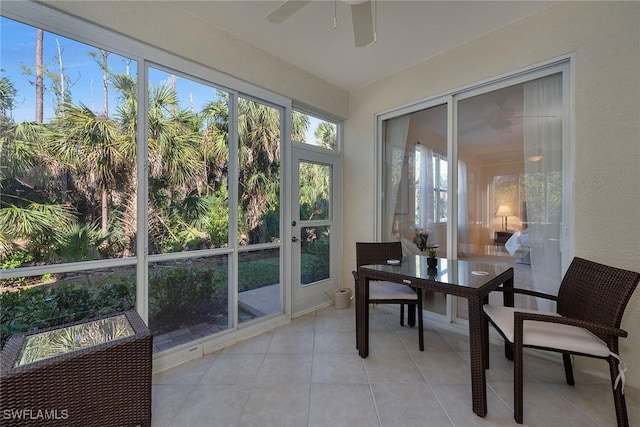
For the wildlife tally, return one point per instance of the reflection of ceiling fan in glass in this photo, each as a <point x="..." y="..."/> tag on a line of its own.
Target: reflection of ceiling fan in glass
<point x="361" y="16"/>
<point x="500" y="118"/>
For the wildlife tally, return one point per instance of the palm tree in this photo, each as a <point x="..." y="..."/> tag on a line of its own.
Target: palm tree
<point x="93" y="146"/>
<point x="325" y="135"/>
<point x="299" y="125"/>
<point x="259" y="143"/>
<point x="7" y="101"/>
<point x="215" y="141"/>
<point x="174" y="152"/>
<point x="259" y="181"/>
<point x="175" y="168"/>
<point x="28" y="220"/>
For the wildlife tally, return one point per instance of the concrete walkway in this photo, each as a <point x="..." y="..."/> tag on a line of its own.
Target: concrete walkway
<point x="261" y="301"/>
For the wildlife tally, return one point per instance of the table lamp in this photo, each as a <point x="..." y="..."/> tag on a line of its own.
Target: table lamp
<point x="504" y="211"/>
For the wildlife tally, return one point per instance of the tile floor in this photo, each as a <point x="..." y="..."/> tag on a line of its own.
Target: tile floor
<point x="308" y="373"/>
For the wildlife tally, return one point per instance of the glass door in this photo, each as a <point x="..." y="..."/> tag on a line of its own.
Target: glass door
<point x="483" y="174"/>
<point x="314" y="227"/>
<point x="415" y="175"/>
<point x="510" y="181"/>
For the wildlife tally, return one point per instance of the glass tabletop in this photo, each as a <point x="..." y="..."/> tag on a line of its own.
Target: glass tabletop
<point x="455" y="272"/>
<point x="73" y="338"/>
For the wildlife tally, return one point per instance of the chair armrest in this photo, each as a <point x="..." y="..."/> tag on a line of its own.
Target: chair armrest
<point x="526" y="292"/>
<point x="598" y="329"/>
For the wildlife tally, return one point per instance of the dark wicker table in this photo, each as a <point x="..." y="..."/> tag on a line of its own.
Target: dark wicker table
<point x="91" y="373"/>
<point x="470" y="280"/>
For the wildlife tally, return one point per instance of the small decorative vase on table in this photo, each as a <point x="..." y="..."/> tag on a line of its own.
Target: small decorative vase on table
<point x="432" y="260"/>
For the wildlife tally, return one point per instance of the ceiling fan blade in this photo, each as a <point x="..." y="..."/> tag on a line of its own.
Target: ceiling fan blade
<point x="362" y="23"/>
<point x="473" y="128"/>
<point x="285" y="10"/>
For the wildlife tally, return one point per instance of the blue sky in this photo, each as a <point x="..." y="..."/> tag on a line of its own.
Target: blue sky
<point x="18" y="51"/>
<point x="18" y="41"/>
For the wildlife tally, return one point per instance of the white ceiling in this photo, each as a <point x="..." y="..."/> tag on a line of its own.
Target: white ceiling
<point x="408" y="32"/>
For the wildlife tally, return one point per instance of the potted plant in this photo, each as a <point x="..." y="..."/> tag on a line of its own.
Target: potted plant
<point x="432" y="260"/>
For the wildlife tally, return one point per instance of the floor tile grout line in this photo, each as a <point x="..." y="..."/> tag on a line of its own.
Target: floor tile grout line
<point x="428" y="384"/>
<point x="406" y="345"/>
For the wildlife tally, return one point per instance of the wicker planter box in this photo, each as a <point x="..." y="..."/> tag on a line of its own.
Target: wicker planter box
<point x="105" y="384"/>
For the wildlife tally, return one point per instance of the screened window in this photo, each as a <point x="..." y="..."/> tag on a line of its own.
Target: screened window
<point x="313" y="130"/>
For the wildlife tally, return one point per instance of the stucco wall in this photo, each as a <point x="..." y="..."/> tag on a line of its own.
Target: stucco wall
<point x="605" y="40"/>
<point x="194" y="39"/>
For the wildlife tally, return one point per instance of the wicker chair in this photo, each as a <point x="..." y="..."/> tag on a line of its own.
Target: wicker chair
<point x="387" y="292"/>
<point x="590" y="304"/>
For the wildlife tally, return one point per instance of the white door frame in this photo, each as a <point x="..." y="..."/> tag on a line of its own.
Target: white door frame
<point x="311" y="296"/>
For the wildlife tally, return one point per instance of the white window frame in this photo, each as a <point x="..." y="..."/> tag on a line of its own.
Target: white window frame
<point x="50" y="20"/>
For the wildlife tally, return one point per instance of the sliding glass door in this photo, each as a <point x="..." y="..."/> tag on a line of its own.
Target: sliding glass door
<point x="415" y="178"/>
<point x="510" y="181"/>
<point x="483" y="175"/>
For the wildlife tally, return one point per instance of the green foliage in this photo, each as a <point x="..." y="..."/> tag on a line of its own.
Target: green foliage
<point x="176" y="295"/>
<point x="80" y="243"/>
<point x="17" y="259"/>
<point x="39" y="224"/>
<point x="432" y="253"/>
<point x="315" y="265"/>
<point x="325" y="135"/>
<point x="258" y="273"/>
<point x="7" y="100"/>
<point x="42" y="306"/>
<point x="218" y="220"/>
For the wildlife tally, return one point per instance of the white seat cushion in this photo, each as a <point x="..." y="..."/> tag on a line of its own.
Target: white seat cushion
<point x="549" y="335"/>
<point x="389" y="290"/>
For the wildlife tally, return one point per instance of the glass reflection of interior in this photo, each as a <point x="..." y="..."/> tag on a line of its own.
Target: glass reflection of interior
<point x="509" y="183"/>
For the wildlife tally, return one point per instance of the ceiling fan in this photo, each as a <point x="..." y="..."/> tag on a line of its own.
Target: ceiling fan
<point x="361" y="16"/>
<point x="500" y="118"/>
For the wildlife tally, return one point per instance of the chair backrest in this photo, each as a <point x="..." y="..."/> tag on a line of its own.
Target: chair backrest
<point x="596" y="292"/>
<point x="377" y="253"/>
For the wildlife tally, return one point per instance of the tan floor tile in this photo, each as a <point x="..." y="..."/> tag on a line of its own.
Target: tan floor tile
<point x="341" y="405"/>
<point x="391" y="367"/>
<point x="335" y="342"/>
<point x="291" y="342"/>
<point x="285" y="368"/>
<point x="231" y="368"/>
<point x="442" y="367"/>
<point x="166" y="402"/>
<point x="186" y="373"/>
<point x="277" y="405"/>
<point x="309" y="374"/>
<point x="213" y="405"/>
<point x="338" y="368"/>
<point x="408" y="404"/>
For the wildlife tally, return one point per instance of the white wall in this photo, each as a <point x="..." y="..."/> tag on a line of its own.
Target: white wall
<point x="605" y="40"/>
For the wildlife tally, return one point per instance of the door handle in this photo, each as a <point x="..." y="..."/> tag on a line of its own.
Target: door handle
<point x="294" y="239"/>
